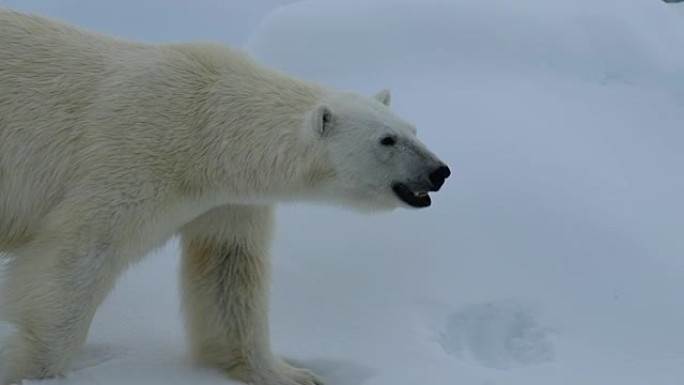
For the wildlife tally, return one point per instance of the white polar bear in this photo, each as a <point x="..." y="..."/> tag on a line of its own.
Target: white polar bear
<point x="109" y="147"/>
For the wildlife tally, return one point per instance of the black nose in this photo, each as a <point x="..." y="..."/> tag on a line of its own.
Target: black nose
<point x="438" y="176"/>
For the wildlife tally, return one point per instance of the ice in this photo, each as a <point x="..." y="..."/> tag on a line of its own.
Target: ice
<point x="553" y="255"/>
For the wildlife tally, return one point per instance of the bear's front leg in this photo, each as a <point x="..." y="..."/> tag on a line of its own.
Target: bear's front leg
<point x="50" y="292"/>
<point x="225" y="280"/>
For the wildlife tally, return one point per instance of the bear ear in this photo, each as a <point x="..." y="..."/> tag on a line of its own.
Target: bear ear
<point x="321" y="119"/>
<point x="384" y="97"/>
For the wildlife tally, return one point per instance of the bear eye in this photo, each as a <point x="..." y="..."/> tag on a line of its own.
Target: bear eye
<point x="388" y="141"/>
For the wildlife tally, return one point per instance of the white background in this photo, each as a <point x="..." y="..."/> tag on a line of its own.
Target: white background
<point x="554" y="254"/>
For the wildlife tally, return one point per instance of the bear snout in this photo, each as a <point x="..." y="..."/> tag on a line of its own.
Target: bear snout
<point x="438" y="176"/>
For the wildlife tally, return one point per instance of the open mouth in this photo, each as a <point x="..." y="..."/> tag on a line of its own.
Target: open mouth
<point x="411" y="197"/>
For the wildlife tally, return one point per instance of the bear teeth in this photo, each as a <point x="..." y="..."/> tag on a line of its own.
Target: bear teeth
<point x="420" y="194"/>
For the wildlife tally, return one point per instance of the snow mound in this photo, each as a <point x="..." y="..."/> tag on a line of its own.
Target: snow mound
<point x="499" y="335"/>
<point x="611" y="40"/>
<point x="562" y="122"/>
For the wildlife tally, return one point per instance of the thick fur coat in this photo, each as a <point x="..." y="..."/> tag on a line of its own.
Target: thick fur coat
<point x="110" y="147"/>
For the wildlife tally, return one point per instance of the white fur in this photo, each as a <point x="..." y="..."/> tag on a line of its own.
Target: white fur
<point x="110" y="147"/>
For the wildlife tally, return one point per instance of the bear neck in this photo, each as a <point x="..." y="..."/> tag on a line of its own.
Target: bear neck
<point x="252" y="148"/>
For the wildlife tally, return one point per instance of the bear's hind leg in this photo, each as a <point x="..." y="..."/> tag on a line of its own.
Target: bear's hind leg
<point x="225" y="283"/>
<point x="50" y="293"/>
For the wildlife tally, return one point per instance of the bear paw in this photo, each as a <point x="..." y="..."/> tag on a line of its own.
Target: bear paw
<point x="293" y="375"/>
<point x="280" y="373"/>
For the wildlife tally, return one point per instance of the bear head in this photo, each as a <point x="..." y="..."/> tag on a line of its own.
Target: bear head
<point x="377" y="160"/>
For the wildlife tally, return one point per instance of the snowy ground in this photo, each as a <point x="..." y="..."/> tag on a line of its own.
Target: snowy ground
<point x="554" y="255"/>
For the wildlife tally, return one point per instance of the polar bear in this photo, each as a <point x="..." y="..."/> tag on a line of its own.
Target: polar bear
<point x="108" y="148"/>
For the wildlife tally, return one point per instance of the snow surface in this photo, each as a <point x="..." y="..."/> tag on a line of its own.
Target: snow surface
<point x="554" y="255"/>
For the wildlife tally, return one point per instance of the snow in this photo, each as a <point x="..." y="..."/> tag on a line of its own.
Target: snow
<point x="499" y="335"/>
<point x="552" y="256"/>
